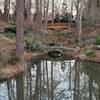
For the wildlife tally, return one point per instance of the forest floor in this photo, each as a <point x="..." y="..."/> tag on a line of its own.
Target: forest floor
<point x="64" y="38"/>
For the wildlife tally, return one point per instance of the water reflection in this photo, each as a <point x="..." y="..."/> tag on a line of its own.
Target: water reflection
<point x="55" y="80"/>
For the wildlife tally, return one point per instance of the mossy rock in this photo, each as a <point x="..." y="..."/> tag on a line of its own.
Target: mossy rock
<point x="55" y="53"/>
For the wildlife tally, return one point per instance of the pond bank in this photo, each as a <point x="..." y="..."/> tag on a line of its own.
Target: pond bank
<point x="7" y="45"/>
<point x="69" y="53"/>
<point x="10" y="71"/>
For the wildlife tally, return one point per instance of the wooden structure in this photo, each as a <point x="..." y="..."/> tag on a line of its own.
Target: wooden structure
<point x="57" y="26"/>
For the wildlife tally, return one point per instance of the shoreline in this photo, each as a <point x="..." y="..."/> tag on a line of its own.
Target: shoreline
<point x="10" y="71"/>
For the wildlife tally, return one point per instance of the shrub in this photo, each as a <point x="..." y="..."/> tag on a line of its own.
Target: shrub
<point x="52" y="43"/>
<point x="27" y="30"/>
<point x="1" y="57"/>
<point x="89" y="53"/>
<point x="97" y="40"/>
<point x="36" y="46"/>
<point x="10" y="29"/>
<point x="62" y="34"/>
<point x="66" y="34"/>
<point x="1" y="33"/>
<point x="1" y="73"/>
<point x="32" y="45"/>
<point x="9" y="35"/>
<point x="13" y="58"/>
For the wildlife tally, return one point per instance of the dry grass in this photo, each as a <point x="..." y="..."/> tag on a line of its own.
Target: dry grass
<point x="6" y="69"/>
<point x="10" y="71"/>
<point x="6" y="47"/>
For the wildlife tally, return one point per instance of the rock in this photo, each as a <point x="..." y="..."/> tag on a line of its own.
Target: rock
<point x="97" y="47"/>
<point x="55" y="53"/>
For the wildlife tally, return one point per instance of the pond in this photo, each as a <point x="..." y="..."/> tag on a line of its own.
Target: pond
<point x="55" y="80"/>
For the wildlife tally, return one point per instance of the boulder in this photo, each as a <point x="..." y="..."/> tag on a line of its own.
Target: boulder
<point x="55" y="53"/>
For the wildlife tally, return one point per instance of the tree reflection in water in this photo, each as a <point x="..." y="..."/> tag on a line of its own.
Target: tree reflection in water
<point x="55" y="80"/>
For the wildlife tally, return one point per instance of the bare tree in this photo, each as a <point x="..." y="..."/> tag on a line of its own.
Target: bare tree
<point x="52" y="85"/>
<point x="6" y="10"/>
<point x="39" y="15"/>
<point x="52" y="11"/>
<point x="27" y="5"/>
<point x="80" y="22"/>
<point x="20" y="87"/>
<point x="91" y="12"/>
<point x="29" y="9"/>
<point x="79" y="10"/>
<point x="71" y="11"/>
<point x="19" y="27"/>
<point x="47" y="79"/>
<point x="77" y="82"/>
<point x="46" y="8"/>
<point x="90" y="85"/>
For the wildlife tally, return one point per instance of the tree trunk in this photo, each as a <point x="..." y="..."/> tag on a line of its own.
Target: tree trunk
<point x="39" y="16"/>
<point x="9" y="10"/>
<point x="29" y="10"/>
<point x="20" y="87"/>
<point x="44" y="14"/>
<point x="80" y="24"/>
<point x="52" y="80"/>
<point x="77" y="14"/>
<point x="46" y="7"/>
<point x="47" y="79"/>
<point x="19" y="27"/>
<point x="90" y="85"/>
<point x="52" y="11"/>
<point x="71" y="13"/>
<point x="77" y="81"/>
<point x="6" y="11"/>
<point x="91" y="10"/>
<point x="46" y="20"/>
<point x="79" y="10"/>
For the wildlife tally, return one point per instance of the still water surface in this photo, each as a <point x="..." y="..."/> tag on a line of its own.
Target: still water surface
<point x="55" y="80"/>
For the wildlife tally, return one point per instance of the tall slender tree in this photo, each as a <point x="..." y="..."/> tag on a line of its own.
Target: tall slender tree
<point x="6" y="10"/>
<point x="79" y="11"/>
<point x="52" y="11"/>
<point x="39" y="16"/>
<point x="19" y="27"/>
<point x="91" y="12"/>
<point x="9" y="10"/>
<point x="27" y="7"/>
<point x="80" y="22"/>
<point x="47" y="13"/>
<point x="46" y="8"/>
